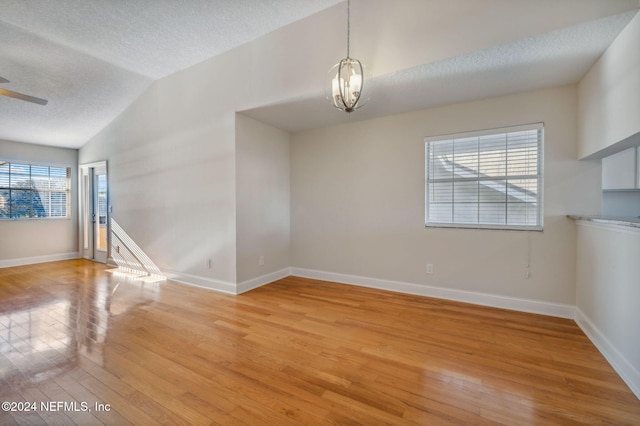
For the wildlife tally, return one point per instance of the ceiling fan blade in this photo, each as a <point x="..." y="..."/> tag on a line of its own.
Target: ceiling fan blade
<point x="3" y="80"/>
<point x="23" y="97"/>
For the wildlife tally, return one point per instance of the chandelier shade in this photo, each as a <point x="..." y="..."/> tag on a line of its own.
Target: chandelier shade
<point x="347" y="78"/>
<point x="346" y="84"/>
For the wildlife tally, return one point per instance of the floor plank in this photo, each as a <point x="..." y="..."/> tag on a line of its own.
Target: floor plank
<point x="296" y="351"/>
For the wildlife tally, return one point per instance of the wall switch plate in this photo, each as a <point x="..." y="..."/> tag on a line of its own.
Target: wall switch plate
<point x="261" y="261"/>
<point x="429" y="268"/>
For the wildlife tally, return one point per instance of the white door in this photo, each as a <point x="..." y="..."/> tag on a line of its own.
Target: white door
<point x="94" y="212"/>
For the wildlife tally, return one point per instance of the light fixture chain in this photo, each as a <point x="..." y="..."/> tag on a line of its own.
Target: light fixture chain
<point x="348" y="25"/>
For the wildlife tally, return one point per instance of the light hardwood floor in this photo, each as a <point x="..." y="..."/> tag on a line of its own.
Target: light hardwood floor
<point x="296" y="351"/>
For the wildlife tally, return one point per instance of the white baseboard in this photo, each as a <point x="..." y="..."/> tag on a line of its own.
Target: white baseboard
<point x="517" y="304"/>
<point x="202" y="282"/>
<point x="623" y="367"/>
<point x="224" y="286"/>
<point x="505" y="302"/>
<point x="38" y="259"/>
<point x="251" y="284"/>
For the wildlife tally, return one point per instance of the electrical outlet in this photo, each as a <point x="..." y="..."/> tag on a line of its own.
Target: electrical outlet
<point x="261" y="261"/>
<point x="429" y="268"/>
<point x="207" y="264"/>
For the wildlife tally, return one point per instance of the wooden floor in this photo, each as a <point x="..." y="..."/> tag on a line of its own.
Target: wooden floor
<point x="298" y="351"/>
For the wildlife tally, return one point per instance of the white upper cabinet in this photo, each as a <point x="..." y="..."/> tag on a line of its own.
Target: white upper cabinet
<point x="621" y="170"/>
<point x="609" y="95"/>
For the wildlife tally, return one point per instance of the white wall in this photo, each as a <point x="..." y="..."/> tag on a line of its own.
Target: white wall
<point x="609" y="97"/>
<point x="38" y="240"/>
<point x="358" y="202"/>
<point x="172" y="155"/>
<point x="172" y="179"/>
<point x="608" y="291"/>
<point x="262" y="199"/>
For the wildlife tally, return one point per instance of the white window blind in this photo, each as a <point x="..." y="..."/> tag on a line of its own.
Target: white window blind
<point x="485" y="179"/>
<point x="31" y="191"/>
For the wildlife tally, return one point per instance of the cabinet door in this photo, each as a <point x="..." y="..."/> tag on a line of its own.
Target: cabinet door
<point x="619" y="170"/>
<point x="638" y="167"/>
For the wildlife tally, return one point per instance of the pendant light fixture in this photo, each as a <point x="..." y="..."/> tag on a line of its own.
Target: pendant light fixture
<point x="347" y="78"/>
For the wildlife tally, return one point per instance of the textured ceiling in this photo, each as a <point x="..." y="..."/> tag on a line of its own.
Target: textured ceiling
<point x="551" y="59"/>
<point x="92" y="58"/>
<point x="154" y="38"/>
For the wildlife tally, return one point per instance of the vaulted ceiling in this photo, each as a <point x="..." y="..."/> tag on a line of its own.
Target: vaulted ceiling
<point x="92" y="58"/>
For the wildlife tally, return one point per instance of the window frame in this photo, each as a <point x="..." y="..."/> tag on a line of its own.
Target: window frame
<point x="539" y="176"/>
<point x="67" y="191"/>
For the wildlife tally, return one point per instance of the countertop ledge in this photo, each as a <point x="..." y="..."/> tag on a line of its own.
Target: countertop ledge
<point x="633" y="222"/>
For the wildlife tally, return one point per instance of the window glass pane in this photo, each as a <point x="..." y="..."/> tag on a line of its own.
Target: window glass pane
<point x="59" y="171"/>
<point x="440" y="159"/>
<point x="522" y="153"/>
<point x="41" y="171"/>
<point x="466" y="157"/>
<point x="465" y="213"/>
<point x="492" y="154"/>
<point x="20" y="176"/>
<point x="20" y="203"/>
<point x="58" y="204"/>
<point x="521" y="214"/>
<point x="523" y="190"/>
<point x="4" y="175"/>
<point x="465" y="192"/>
<point x="59" y="184"/>
<point x="101" y="223"/>
<point x="441" y="192"/>
<point x="441" y="213"/>
<point x="493" y="213"/>
<point x="37" y="205"/>
<point x="492" y="191"/>
<point x="42" y="203"/>
<point x="59" y="179"/>
<point x="40" y="177"/>
<point x="5" y="204"/>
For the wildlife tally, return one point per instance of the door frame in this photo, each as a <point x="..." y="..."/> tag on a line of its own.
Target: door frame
<point x="87" y="205"/>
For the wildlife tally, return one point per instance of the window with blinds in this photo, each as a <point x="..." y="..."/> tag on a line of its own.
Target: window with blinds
<point x="486" y="179"/>
<point x="31" y="191"/>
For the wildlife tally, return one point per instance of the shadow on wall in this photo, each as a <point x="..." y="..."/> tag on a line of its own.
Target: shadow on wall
<point x="129" y="257"/>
